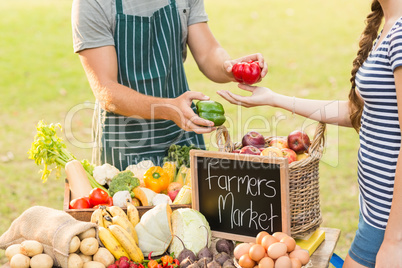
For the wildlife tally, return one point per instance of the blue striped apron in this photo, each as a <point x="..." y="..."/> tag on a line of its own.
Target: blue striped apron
<point x="149" y="53"/>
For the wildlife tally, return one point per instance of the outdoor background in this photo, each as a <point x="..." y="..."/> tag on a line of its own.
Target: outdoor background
<point x="309" y="46"/>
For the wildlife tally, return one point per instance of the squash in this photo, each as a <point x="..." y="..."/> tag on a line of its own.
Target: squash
<point x="144" y="194"/>
<point x="77" y="179"/>
<point x="155" y="230"/>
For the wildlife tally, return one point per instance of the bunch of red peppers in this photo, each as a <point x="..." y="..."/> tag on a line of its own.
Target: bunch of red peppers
<point x="166" y="261"/>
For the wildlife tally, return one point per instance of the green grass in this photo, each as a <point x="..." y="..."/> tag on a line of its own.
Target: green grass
<point x="309" y="46"/>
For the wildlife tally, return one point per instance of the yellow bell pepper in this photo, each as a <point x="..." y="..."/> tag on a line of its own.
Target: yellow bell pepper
<point x="156" y="179"/>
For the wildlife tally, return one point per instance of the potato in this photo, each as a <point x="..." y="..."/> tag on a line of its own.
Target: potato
<point x="104" y="256"/>
<point x="12" y="250"/>
<point x="85" y="258"/>
<point x="89" y="246"/>
<point x="19" y="261"/>
<point x="41" y="261"/>
<point x="75" y="261"/>
<point x="74" y="244"/>
<point x="31" y="248"/>
<point x="88" y="233"/>
<point x="94" y="264"/>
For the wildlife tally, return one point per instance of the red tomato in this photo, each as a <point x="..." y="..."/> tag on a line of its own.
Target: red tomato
<point x="97" y="196"/>
<point x="80" y="203"/>
<point x="108" y="204"/>
<point x="246" y="72"/>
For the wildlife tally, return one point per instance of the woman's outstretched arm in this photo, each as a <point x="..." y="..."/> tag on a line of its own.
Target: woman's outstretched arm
<point x="326" y="111"/>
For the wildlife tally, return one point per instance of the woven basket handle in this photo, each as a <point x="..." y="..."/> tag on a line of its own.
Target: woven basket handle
<point x="223" y="139"/>
<point x="318" y="140"/>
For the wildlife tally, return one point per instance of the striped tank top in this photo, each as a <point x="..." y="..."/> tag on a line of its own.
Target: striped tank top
<point x="380" y="134"/>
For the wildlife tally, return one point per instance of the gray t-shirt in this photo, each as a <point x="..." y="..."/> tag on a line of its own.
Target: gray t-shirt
<point x="94" y="21"/>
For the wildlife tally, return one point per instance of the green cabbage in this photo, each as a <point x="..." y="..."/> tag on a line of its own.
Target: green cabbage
<point x="188" y="224"/>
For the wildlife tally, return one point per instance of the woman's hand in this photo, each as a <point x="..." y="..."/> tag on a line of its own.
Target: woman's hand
<point x="185" y="117"/>
<point x="254" y="57"/>
<point x="389" y="255"/>
<point x="260" y="96"/>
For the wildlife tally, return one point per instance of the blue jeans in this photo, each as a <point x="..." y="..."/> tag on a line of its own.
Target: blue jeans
<point x="366" y="243"/>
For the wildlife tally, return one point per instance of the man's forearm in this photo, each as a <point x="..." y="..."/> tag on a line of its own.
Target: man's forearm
<point x="122" y="100"/>
<point x="213" y="66"/>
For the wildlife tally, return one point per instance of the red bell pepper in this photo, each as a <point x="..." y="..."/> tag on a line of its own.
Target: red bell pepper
<point x="247" y="72"/>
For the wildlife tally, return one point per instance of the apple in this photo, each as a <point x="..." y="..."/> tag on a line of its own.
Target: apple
<point x="253" y="138"/>
<point x="272" y="152"/>
<point x="173" y="189"/>
<point x="237" y="151"/>
<point x="278" y="142"/>
<point x="298" y="141"/>
<point x="301" y="156"/>
<point x="173" y="194"/>
<point x="290" y="154"/>
<point x="249" y="149"/>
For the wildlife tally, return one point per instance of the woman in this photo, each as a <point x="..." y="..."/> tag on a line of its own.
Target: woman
<point x="374" y="109"/>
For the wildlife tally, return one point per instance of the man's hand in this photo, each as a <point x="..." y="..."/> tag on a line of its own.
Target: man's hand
<point x="254" y="57"/>
<point x="183" y="115"/>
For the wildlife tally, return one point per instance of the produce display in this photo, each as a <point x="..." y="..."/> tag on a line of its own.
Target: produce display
<point x="212" y="111"/>
<point x="92" y="186"/>
<point x="294" y="147"/>
<point x="161" y="237"/>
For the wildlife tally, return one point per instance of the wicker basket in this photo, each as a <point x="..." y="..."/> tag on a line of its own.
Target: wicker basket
<point x="304" y="190"/>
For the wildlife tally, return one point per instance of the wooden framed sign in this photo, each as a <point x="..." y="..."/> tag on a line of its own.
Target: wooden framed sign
<point x="240" y="195"/>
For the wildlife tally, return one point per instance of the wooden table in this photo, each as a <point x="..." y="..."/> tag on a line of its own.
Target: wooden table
<point x="323" y="253"/>
<point x="320" y="257"/>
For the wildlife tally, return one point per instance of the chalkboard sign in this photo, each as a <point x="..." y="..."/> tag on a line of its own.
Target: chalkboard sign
<point x="240" y="195"/>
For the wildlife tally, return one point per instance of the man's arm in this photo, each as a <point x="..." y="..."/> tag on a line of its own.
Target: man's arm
<point x="212" y="59"/>
<point x="100" y="65"/>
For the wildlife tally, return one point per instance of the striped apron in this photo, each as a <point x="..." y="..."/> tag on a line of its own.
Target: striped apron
<point x="149" y="53"/>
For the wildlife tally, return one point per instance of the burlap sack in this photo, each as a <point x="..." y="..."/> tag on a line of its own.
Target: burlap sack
<point x="53" y="228"/>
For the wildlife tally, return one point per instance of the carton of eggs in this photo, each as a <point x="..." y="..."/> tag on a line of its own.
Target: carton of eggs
<point x="277" y="250"/>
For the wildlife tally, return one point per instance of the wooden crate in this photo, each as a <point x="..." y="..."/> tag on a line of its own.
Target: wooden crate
<point x="85" y="214"/>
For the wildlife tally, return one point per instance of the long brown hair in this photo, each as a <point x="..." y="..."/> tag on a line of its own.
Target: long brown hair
<point x="373" y="22"/>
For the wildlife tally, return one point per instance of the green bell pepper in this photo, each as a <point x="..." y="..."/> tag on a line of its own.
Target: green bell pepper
<point x="212" y="111"/>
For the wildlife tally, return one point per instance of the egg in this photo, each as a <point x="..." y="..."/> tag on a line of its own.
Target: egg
<point x="246" y="262"/>
<point x="283" y="262"/>
<point x="268" y="240"/>
<point x="241" y="249"/>
<point x="295" y="263"/>
<point x="279" y="235"/>
<point x="260" y="236"/>
<point x="289" y="242"/>
<point x="256" y="252"/>
<point x="297" y="247"/>
<point x="266" y="262"/>
<point x="300" y="254"/>
<point x="277" y="250"/>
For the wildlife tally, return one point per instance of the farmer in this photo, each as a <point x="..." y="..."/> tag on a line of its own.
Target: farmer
<point x="133" y="53"/>
<point x="373" y="109"/>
